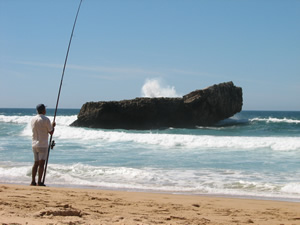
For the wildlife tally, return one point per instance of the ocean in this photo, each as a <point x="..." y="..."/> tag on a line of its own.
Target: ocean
<point x="254" y="154"/>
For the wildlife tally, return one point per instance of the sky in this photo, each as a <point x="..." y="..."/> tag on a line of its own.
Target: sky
<point x="123" y="49"/>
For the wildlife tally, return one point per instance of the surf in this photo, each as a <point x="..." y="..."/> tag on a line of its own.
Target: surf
<point x="276" y="120"/>
<point x="175" y="138"/>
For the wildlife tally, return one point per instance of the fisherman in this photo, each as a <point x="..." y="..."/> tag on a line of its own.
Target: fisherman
<point x="41" y="127"/>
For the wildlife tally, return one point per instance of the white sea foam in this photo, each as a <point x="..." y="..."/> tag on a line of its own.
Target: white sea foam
<point x="176" y="140"/>
<point x="60" y="120"/>
<point x="293" y="188"/>
<point x="15" y="119"/>
<point x="205" y="181"/>
<point x="188" y="141"/>
<point x="184" y="141"/>
<point x="64" y="131"/>
<point x="276" y="120"/>
<point x="14" y="172"/>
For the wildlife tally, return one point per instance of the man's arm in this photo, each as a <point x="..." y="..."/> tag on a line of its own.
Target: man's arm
<point x="52" y="131"/>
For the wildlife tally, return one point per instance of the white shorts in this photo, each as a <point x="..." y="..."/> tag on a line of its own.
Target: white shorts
<point x="40" y="153"/>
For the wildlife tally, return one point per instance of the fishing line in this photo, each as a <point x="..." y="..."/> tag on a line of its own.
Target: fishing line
<point x="51" y="144"/>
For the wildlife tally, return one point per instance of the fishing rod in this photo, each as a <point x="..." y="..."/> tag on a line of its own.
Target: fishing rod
<point x="52" y="143"/>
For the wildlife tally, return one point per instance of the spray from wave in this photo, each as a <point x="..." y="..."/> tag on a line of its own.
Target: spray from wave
<point x="154" y="88"/>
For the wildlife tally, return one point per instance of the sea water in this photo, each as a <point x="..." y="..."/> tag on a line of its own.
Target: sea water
<point x="254" y="154"/>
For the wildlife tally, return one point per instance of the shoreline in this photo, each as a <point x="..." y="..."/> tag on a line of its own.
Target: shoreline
<point x="20" y="204"/>
<point x="243" y="197"/>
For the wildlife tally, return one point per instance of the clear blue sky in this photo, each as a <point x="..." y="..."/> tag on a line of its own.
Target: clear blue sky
<point x="118" y="45"/>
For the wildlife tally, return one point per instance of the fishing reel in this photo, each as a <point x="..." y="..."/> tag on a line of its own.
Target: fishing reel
<point x="52" y="144"/>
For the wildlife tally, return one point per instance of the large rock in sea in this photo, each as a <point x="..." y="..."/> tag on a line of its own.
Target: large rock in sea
<point x="199" y="108"/>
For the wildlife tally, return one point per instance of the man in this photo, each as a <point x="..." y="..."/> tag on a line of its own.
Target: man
<point x="41" y="127"/>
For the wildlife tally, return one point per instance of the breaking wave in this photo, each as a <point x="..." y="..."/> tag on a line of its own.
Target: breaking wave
<point x="275" y="120"/>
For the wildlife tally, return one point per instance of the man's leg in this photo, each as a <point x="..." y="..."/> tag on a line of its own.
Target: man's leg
<point x="35" y="166"/>
<point x="41" y="171"/>
<point x="34" y="171"/>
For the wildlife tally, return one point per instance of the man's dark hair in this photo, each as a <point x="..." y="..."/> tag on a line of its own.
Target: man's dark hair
<point x="40" y="108"/>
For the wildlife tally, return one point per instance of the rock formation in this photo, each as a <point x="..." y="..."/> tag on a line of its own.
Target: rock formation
<point x="199" y="108"/>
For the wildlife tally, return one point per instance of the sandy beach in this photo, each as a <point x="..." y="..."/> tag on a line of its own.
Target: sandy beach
<point x="49" y="205"/>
